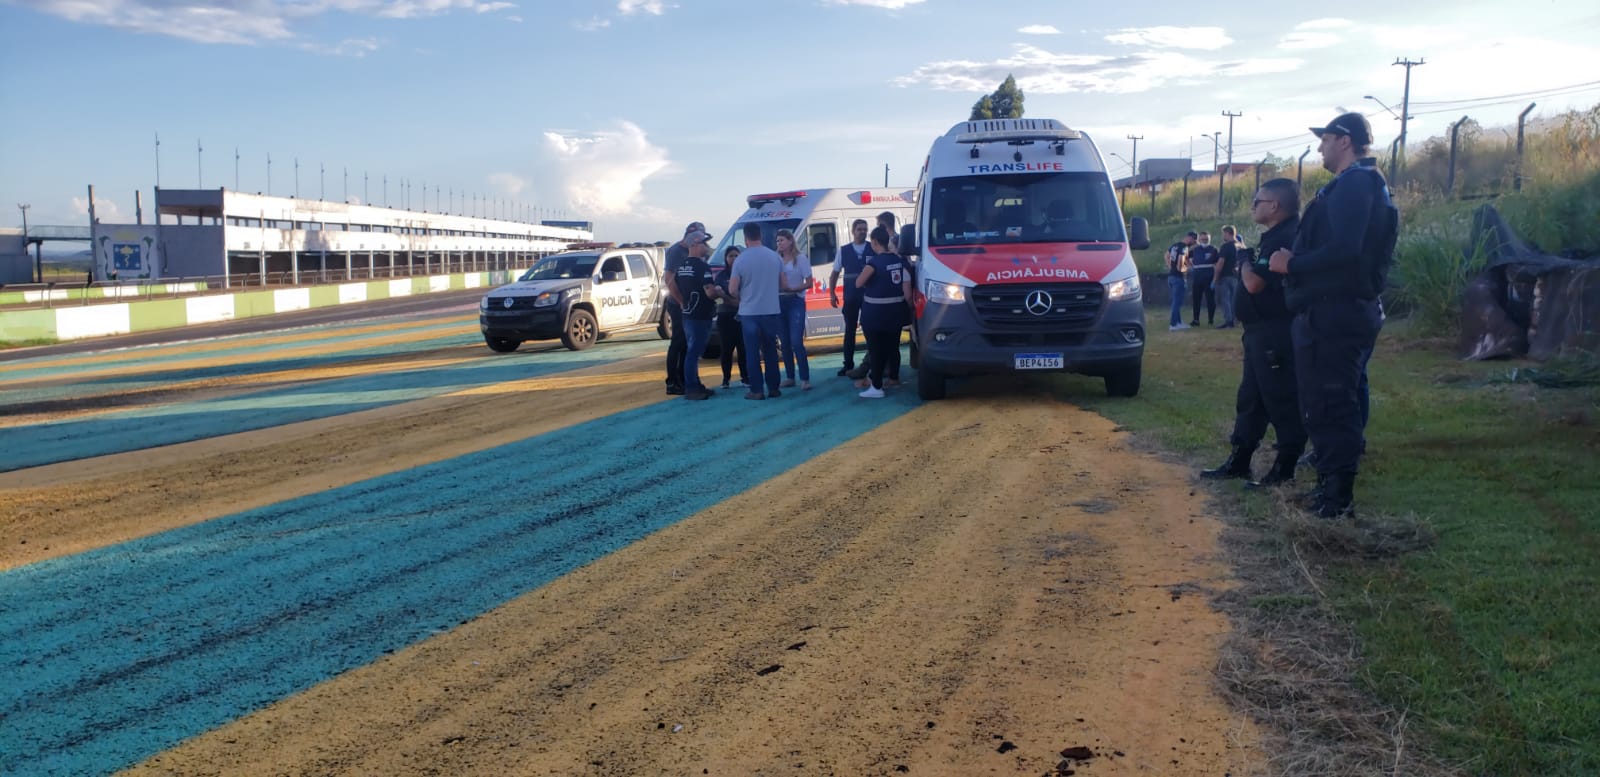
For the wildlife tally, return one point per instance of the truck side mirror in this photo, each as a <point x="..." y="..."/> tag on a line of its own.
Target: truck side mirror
<point x="1139" y="234"/>
<point x="908" y="240"/>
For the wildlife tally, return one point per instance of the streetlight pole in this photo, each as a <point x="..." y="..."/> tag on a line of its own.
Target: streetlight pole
<point x="39" y="264"/>
<point x="1216" y="166"/>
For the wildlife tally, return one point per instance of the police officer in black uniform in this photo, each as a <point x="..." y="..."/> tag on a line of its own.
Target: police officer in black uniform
<point x="1338" y="266"/>
<point x="1267" y="392"/>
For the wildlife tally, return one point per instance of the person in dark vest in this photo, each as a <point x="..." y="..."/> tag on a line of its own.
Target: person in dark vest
<point x="847" y="265"/>
<point x="1202" y="267"/>
<point x="1337" y="268"/>
<point x="1227" y="280"/>
<point x="677" y="254"/>
<point x="699" y="296"/>
<point x="728" y="329"/>
<point x="1267" y="389"/>
<point x="1177" y="267"/>
<point x="885" y="309"/>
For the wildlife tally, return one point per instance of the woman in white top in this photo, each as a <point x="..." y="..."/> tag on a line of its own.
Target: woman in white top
<point x="792" y="287"/>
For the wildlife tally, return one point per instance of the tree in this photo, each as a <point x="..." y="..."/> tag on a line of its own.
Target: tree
<point x="1003" y="103"/>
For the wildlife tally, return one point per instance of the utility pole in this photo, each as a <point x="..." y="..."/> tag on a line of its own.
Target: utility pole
<point x="1405" y="99"/>
<point x="1223" y="179"/>
<point x="885" y="175"/>
<point x="1135" y="164"/>
<point x="1216" y="166"/>
<point x="38" y="271"/>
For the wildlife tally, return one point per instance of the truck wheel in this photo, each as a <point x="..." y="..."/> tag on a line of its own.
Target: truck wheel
<point x="1124" y="383"/>
<point x="664" y="328"/>
<point x="501" y="344"/>
<point x="930" y="384"/>
<point x="581" y="331"/>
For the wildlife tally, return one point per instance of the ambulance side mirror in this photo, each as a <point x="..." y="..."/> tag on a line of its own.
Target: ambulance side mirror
<point x="908" y="240"/>
<point x="1139" y="234"/>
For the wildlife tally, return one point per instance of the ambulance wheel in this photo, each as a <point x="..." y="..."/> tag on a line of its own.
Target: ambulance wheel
<point x="930" y="384"/>
<point x="502" y="344"/>
<point x="916" y="360"/>
<point x="581" y="331"/>
<point x="664" y="328"/>
<point x="1124" y="383"/>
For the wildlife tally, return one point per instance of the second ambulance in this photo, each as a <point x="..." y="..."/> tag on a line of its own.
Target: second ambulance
<point x="1023" y="262"/>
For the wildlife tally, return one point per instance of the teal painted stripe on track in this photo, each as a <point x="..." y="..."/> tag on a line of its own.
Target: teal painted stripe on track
<point x="122" y="652"/>
<point x="153" y="354"/>
<point x="113" y="383"/>
<point x="48" y="443"/>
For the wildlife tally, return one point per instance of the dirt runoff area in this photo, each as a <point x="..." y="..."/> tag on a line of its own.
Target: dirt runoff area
<point x="992" y="585"/>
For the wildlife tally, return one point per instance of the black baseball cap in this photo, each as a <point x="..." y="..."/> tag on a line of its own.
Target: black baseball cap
<point x="694" y="225"/>
<point x="1351" y="125"/>
<point x="1192" y="234"/>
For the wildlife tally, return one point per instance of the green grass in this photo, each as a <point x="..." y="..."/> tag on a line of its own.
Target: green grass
<point x="1488" y="639"/>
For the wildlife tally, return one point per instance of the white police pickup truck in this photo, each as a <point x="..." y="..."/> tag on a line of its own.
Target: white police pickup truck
<point x="591" y="291"/>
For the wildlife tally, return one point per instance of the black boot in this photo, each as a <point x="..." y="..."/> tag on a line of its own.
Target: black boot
<point x="1308" y="500"/>
<point x="1337" y="499"/>
<point x="1237" y="465"/>
<point x="1282" y="472"/>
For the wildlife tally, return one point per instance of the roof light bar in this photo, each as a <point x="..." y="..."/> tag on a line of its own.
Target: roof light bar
<point x="788" y="198"/>
<point x="1019" y="136"/>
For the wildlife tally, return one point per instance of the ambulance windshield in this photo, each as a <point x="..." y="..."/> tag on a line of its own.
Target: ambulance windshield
<point x="553" y="268"/>
<point x="1023" y="208"/>
<point x="735" y="236"/>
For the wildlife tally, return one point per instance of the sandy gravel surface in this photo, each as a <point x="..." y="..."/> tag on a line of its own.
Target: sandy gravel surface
<point x="973" y="588"/>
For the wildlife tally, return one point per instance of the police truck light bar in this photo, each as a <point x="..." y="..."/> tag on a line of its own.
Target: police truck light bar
<point x="788" y="198"/>
<point x="588" y="246"/>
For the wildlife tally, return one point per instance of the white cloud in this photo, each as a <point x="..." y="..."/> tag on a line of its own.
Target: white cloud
<point x="245" y="22"/>
<point x="107" y="211"/>
<point x="508" y="183"/>
<point x="593" y="24"/>
<point x="1039" y="29"/>
<point x="1041" y="71"/>
<point x="514" y="18"/>
<point x="349" y="47"/>
<point x="603" y="173"/>
<point x="1303" y="40"/>
<point x="893" y="5"/>
<point x="1204" y="38"/>
<point x="630" y="7"/>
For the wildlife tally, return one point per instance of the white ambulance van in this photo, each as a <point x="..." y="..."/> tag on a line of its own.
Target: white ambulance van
<point x="1022" y="262"/>
<point x="820" y="220"/>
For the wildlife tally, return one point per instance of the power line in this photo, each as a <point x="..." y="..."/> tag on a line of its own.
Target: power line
<point x="1513" y="97"/>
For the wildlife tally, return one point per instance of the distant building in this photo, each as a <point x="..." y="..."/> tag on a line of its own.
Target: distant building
<point x="255" y="239"/>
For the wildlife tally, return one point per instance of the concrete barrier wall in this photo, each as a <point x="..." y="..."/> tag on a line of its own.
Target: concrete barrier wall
<point x="92" y="293"/>
<point x="98" y="320"/>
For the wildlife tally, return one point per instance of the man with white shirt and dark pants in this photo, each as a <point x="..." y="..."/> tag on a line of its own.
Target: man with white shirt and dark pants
<point x="847" y="265"/>
<point x="755" y="283"/>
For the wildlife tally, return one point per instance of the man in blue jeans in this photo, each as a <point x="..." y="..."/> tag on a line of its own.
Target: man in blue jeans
<point x="1177" y="265"/>
<point x="699" y="307"/>
<point x="755" y="282"/>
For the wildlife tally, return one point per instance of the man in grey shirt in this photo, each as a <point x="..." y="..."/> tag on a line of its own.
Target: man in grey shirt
<point x="755" y="284"/>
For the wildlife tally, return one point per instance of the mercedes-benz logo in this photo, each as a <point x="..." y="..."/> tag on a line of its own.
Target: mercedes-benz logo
<point x="1039" y="302"/>
<point x="510" y="301"/>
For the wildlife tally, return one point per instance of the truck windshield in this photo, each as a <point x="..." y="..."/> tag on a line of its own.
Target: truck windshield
<point x="735" y="236"/>
<point x="553" y="268"/>
<point x="1023" y="208"/>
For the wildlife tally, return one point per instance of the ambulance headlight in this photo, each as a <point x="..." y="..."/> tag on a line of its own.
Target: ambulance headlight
<point x="483" y="304"/>
<point x="946" y="293"/>
<point x="547" y="299"/>
<point x="1125" y="289"/>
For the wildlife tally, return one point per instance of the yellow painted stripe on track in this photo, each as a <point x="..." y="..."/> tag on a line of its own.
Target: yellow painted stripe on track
<point x="70" y="507"/>
<point x="313" y="349"/>
<point x="218" y="388"/>
<point x="229" y="342"/>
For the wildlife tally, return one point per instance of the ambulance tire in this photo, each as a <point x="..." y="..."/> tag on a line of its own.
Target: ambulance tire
<point x="581" y="330"/>
<point x="916" y="360"/>
<point x="664" y="326"/>
<point x="501" y="344"/>
<point x="1124" y="383"/>
<point x="930" y="384"/>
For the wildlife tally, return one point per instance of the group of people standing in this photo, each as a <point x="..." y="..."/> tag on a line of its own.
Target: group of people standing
<point x="1311" y="314"/>
<point x="757" y="301"/>
<point x="1208" y="273"/>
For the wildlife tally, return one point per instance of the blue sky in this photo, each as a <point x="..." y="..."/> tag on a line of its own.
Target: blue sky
<point x="643" y="115"/>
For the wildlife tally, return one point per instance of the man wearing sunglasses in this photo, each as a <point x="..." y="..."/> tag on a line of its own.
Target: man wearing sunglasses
<point x="1337" y="268"/>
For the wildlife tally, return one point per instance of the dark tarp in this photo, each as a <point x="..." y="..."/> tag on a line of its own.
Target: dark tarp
<point x="1527" y="302"/>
